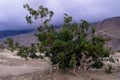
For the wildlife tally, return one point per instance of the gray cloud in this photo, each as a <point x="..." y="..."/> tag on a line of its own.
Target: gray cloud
<point x="12" y="13"/>
<point x="91" y="10"/>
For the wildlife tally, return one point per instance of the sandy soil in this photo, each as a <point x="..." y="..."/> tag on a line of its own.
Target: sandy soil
<point x="13" y="67"/>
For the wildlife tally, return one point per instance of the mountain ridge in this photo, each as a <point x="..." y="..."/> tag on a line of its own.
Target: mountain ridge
<point x="109" y="27"/>
<point x="7" y="33"/>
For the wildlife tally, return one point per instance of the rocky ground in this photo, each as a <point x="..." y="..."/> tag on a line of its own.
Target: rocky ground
<point x="13" y="67"/>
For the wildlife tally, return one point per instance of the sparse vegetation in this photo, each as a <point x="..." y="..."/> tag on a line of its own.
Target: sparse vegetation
<point x="11" y="45"/>
<point x="109" y="69"/>
<point x="2" y="46"/>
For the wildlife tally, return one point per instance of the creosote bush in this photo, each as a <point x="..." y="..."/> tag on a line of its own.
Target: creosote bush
<point x="74" y="45"/>
<point x="109" y="69"/>
<point x="11" y="45"/>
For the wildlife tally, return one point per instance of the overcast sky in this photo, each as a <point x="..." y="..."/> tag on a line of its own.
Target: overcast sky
<point x="12" y="13"/>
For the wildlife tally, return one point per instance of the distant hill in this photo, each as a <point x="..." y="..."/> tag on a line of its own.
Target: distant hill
<point x="109" y="28"/>
<point x="7" y="33"/>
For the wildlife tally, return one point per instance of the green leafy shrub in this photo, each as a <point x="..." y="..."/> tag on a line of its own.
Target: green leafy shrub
<point x="11" y="45"/>
<point x="109" y="69"/>
<point x="72" y="46"/>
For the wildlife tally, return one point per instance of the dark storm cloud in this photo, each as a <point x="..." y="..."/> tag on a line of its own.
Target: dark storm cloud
<point x="91" y="10"/>
<point x="12" y="13"/>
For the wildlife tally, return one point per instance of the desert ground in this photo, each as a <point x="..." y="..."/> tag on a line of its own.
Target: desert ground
<point x="13" y="67"/>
